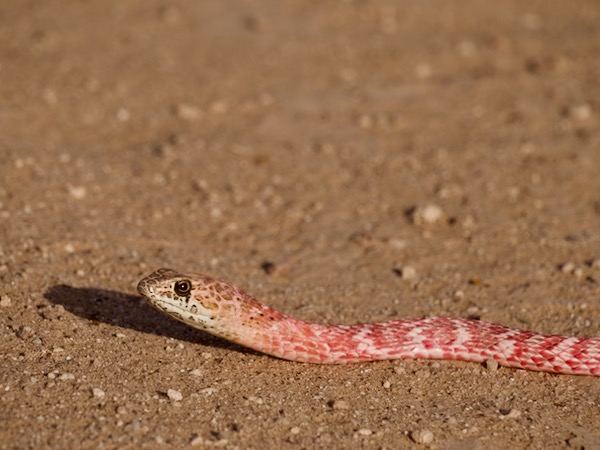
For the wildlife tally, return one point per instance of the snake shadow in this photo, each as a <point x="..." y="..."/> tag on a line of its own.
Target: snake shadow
<point x="130" y="311"/>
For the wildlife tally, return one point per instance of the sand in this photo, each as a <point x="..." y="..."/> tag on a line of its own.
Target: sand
<point x="343" y="162"/>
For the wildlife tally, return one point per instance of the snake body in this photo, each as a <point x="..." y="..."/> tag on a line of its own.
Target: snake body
<point x="226" y="311"/>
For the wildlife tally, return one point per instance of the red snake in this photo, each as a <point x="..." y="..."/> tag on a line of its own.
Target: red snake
<point x="226" y="311"/>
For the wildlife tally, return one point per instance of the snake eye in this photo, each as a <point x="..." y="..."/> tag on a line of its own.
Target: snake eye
<point x="183" y="287"/>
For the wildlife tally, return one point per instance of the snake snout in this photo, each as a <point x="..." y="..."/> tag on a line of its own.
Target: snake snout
<point x="144" y="287"/>
<point x="147" y="285"/>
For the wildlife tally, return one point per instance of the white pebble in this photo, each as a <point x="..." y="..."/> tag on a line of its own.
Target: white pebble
<point x="581" y="112"/>
<point x="459" y="294"/>
<point x="77" y="192"/>
<point x="386" y="384"/>
<point x="365" y="432"/>
<point x="400" y="370"/>
<point x="422" y="437"/>
<point x="568" y="267"/>
<point x="66" y="377"/>
<point x="196" y="372"/>
<point x="257" y="400"/>
<point x="427" y="214"/>
<point x="174" y="395"/>
<point x="295" y="430"/>
<point x="491" y="365"/>
<point x="408" y="273"/>
<point x="5" y="301"/>
<point x="340" y="404"/>
<point x="98" y="393"/>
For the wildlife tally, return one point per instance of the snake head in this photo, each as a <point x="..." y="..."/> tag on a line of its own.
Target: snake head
<point x="189" y="298"/>
<point x="199" y="301"/>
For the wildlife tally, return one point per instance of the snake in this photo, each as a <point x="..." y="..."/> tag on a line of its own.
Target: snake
<point x="226" y="311"/>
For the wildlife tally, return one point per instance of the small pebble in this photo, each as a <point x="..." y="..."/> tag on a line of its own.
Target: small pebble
<point x="37" y="341"/>
<point x="491" y="365"/>
<point x="123" y="115"/>
<point x="571" y="268"/>
<point x="386" y="384"/>
<point x="257" y="400"/>
<point x="426" y="214"/>
<point x="340" y="404"/>
<point x="188" y="112"/>
<point x="423" y="71"/>
<point x="77" y="192"/>
<point x="459" y="294"/>
<point x="196" y="373"/>
<point x="408" y="273"/>
<point x="422" y="437"/>
<point x="510" y="414"/>
<point x="24" y="332"/>
<point x="66" y="377"/>
<point x="5" y="301"/>
<point x="208" y="391"/>
<point x="294" y="430"/>
<point x="400" y="370"/>
<point x="365" y="432"/>
<point x="98" y="393"/>
<point x="174" y="395"/>
<point x="581" y="112"/>
<point x="196" y="440"/>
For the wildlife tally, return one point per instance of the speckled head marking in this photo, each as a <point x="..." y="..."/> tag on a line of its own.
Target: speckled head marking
<point x="203" y="302"/>
<point x="189" y="298"/>
<point x="226" y="311"/>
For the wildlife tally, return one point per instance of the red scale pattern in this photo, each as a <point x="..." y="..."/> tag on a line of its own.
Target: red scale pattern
<point x="429" y="338"/>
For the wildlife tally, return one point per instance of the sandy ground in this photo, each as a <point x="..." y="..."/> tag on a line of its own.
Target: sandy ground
<point x="281" y="145"/>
